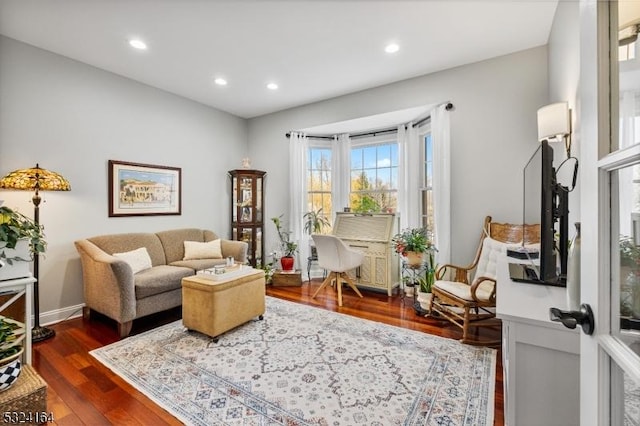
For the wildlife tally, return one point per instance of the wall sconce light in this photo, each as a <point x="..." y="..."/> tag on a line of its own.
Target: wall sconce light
<point x="554" y="124"/>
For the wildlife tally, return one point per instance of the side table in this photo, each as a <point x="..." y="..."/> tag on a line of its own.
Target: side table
<point x="411" y="273"/>
<point x="21" y="286"/>
<point x="287" y="279"/>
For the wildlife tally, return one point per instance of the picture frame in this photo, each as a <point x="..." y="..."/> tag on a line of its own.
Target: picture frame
<point x="137" y="189"/>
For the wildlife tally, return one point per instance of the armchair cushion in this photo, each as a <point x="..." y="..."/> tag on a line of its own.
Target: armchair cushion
<point x="463" y="291"/>
<point x="492" y="250"/>
<point x="197" y="250"/>
<point x="138" y="259"/>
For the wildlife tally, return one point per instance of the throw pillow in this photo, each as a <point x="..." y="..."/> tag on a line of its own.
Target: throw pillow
<point x="138" y="259"/>
<point x="197" y="250"/>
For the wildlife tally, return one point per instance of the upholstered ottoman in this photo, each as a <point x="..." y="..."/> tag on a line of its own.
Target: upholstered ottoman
<point x="213" y="307"/>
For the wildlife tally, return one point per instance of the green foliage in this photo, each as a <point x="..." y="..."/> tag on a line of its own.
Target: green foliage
<point x="426" y="281"/>
<point x="413" y="239"/>
<point x="366" y="204"/>
<point x="288" y="247"/>
<point x="368" y="197"/>
<point x="315" y="222"/>
<point x="629" y="253"/>
<point x="15" y="226"/>
<point x="10" y="331"/>
<point x="268" y="269"/>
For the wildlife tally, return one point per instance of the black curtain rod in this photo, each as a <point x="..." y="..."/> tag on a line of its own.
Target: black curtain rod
<point x="448" y="107"/>
<point x="288" y="135"/>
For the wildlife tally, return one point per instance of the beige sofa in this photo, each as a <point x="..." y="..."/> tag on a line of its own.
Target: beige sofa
<point x="112" y="288"/>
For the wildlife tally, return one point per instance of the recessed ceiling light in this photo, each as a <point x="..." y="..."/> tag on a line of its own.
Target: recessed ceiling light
<point x="392" y="48"/>
<point x="272" y="86"/>
<point x="220" y="81"/>
<point x="138" y="44"/>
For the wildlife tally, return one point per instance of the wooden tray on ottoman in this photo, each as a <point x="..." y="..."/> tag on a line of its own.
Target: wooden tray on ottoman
<point x="287" y="279"/>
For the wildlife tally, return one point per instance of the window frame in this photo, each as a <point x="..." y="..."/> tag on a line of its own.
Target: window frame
<point x="319" y="145"/>
<point x="423" y="132"/>
<point x="375" y="141"/>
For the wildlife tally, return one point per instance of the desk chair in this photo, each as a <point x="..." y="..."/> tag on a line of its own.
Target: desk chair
<point x="337" y="258"/>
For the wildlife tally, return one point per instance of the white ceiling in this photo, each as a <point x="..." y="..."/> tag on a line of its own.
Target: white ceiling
<point x="314" y="49"/>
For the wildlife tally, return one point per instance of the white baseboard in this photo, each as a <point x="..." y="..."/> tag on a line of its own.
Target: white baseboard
<point x="58" y="315"/>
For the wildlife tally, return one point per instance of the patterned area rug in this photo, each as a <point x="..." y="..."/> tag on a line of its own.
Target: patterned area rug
<point x="307" y="366"/>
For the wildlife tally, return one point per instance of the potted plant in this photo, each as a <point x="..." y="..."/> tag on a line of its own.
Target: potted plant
<point x="269" y="269"/>
<point x="315" y="221"/>
<point x="425" y="282"/>
<point x="412" y="243"/>
<point x="288" y="247"/>
<point x="21" y="239"/>
<point x="12" y="333"/>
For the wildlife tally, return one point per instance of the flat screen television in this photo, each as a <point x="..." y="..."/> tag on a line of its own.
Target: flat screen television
<point x="546" y="202"/>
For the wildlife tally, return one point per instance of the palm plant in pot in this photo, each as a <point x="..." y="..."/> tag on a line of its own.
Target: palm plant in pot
<point x="288" y="247"/>
<point x="425" y="282"/>
<point x="21" y="239"/>
<point x="314" y="223"/>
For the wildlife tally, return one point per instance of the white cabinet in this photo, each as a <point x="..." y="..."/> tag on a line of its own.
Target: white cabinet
<point x="541" y="358"/>
<point x="21" y="286"/>
<point x="371" y="234"/>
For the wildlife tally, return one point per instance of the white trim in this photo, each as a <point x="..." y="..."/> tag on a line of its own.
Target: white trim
<point x="387" y="138"/>
<point x="59" y="315"/>
<point x="621" y="158"/>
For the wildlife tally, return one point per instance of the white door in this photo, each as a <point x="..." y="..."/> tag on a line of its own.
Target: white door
<point x="609" y="138"/>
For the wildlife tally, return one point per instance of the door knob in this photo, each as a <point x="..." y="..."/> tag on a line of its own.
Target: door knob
<point x="570" y="319"/>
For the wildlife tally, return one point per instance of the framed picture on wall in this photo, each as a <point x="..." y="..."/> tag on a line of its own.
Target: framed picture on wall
<point x="144" y="189"/>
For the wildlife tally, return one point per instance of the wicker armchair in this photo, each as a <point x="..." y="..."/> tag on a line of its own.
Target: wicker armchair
<point x="473" y="304"/>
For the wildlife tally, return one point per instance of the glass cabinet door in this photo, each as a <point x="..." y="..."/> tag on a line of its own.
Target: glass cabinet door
<point x="247" y="211"/>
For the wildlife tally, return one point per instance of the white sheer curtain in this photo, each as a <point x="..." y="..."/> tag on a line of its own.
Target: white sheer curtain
<point x="409" y="176"/>
<point x="298" y="149"/>
<point x="340" y="172"/>
<point x="440" y="136"/>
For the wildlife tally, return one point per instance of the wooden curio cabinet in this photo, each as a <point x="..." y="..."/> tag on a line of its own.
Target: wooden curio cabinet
<point x="247" y="211"/>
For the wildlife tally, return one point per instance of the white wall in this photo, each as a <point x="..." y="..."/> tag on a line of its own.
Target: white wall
<point x="564" y="79"/>
<point x="493" y="133"/>
<point x="72" y="118"/>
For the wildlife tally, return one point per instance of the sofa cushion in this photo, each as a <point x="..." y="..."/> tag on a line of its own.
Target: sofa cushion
<point x="198" y="264"/>
<point x="197" y="250"/>
<point x="138" y="259"/>
<point x="173" y="241"/>
<point x="120" y="243"/>
<point x="160" y="279"/>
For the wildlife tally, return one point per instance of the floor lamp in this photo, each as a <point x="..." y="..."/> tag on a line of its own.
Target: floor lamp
<point x="36" y="179"/>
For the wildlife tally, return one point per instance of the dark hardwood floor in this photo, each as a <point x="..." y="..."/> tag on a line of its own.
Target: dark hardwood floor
<point x="82" y="391"/>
